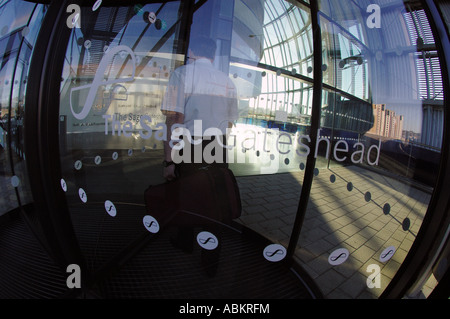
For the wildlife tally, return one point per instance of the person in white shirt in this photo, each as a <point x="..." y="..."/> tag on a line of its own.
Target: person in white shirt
<point x="198" y="93"/>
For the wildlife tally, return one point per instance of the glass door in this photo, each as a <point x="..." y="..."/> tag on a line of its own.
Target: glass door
<point x="117" y="64"/>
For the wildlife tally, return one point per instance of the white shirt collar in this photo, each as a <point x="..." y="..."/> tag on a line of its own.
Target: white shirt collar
<point x="203" y="60"/>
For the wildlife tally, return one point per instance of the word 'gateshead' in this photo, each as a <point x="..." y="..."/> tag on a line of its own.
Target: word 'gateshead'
<point x="282" y="142"/>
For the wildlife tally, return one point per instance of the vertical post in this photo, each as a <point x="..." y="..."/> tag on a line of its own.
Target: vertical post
<point x="315" y="122"/>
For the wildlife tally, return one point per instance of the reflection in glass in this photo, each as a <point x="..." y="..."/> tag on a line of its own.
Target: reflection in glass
<point x="112" y="86"/>
<point x="376" y="152"/>
<point x="376" y="105"/>
<point x="19" y="25"/>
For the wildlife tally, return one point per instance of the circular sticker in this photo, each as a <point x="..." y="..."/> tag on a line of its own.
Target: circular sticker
<point x="110" y="208"/>
<point x="274" y="252"/>
<point x="151" y="224"/>
<point x="406" y="223"/>
<point x="98" y="160"/>
<point x="63" y="185"/>
<point x="15" y="181"/>
<point x="130" y="152"/>
<point x="349" y="186"/>
<point x="82" y="195"/>
<point x="151" y="17"/>
<point x="387" y="254"/>
<point x="338" y="256"/>
<point x="96" y="5"/>
<point x="207" y="240"/>
<point x="87" y="44"/>
<point x="78" y="165"/>
<point x="115" y="156"/>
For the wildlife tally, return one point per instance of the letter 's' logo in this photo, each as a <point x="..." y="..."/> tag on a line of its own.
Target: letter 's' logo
<point x="98" y="79"/>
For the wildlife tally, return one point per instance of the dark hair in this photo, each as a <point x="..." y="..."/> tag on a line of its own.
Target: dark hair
<point x="203" y="46"/>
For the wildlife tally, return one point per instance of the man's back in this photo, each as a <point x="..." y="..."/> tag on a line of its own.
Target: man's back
<point x="203" y="93"/>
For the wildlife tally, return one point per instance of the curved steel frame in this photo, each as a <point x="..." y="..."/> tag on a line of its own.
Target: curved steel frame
<point x="42" y="144"/>
<point x="437" y="219"/>
<point x="315" y="122"/>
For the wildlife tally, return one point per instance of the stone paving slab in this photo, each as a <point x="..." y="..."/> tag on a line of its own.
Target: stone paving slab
<point x="339" y="215"/>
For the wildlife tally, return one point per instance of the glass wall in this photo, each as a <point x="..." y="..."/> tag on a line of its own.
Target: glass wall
<point x="19" y="26"/>
<point x="117" y="64"/>
<point x="372" y="168"/>
<point x="374" y="174"/>
<point x="376" y="155"/>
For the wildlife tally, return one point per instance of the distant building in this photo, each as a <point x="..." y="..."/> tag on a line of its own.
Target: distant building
<point x="386" y="122"/>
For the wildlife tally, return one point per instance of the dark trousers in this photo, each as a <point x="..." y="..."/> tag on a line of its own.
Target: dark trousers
<point x="185" y="235"/>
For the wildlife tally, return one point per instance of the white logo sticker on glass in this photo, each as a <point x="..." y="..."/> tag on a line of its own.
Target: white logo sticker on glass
<point x="338" y="256"/>
<point x="274" y="252"/>
<point x="98" y="160"/>
<point x="82" y="195"/>
<point x="99" y="80"/>
<point x="96" y="5"/>
<point x="15" y="181"/>
<point x="78" y="165"/>
<point x="207" y="240"/>
<point x="387" y="254"/>
<point x="115" y="155"/>
<point x="110" y="208"/>
<point x="152" y="17"/>
<point x="63" y="185"/>
<point x="151" y="224"/>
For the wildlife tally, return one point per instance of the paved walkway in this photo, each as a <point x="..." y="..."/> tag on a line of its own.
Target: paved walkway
<point x="347" y="209"/>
